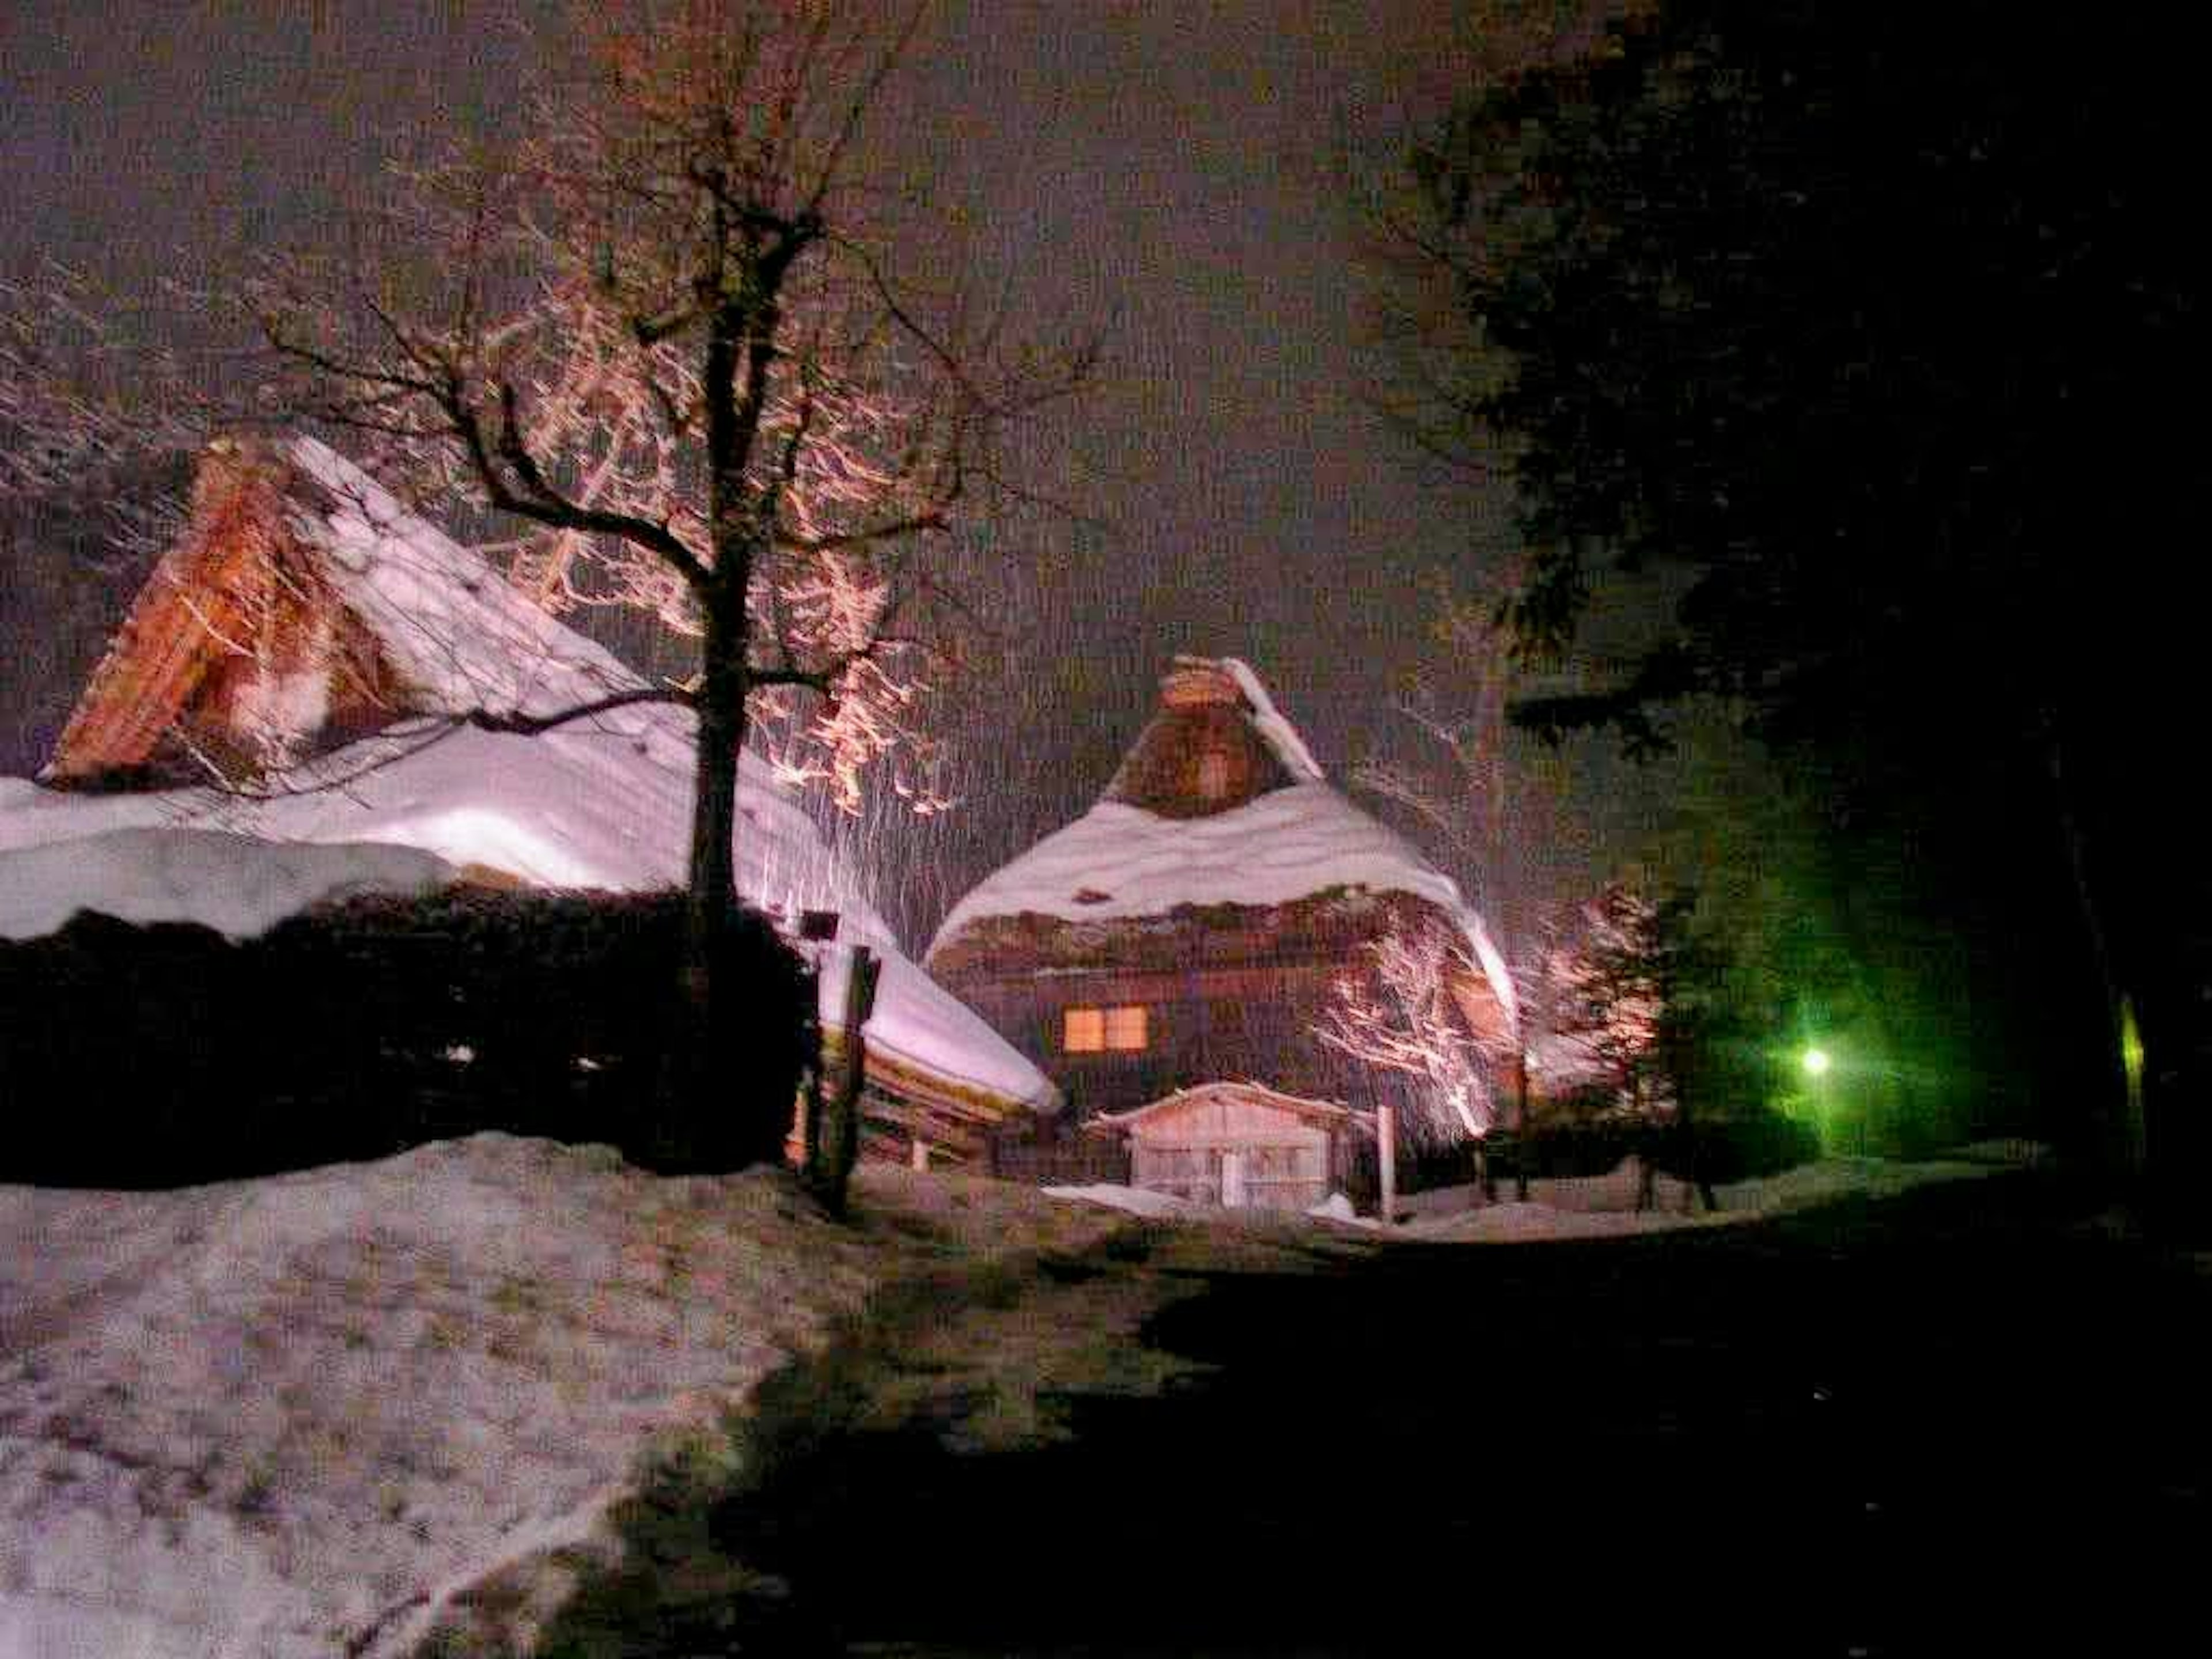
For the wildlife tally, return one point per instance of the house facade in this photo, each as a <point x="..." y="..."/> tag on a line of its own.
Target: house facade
<point x="1243" y="1146"/>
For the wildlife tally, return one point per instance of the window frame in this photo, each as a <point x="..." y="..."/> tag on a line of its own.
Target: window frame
<point x="1093" y="1019"/>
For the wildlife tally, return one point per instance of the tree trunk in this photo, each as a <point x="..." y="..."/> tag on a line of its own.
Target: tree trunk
<point x="695" y="1065"/>
<point x="829" y="1161"/>
<point x="2128" y="1139"/>
<point x="1386" y="1149"/>
<point x="1520" y="1123"/>
<point x="722" y="686"/>
<point x="725" y="680"/>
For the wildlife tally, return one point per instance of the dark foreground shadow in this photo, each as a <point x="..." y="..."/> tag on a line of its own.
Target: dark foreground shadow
<point x="1939" y="1425"/>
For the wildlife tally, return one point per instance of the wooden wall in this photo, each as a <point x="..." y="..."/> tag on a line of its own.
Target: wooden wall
<point x="1231" y="993"/>
<point x="1289" y="1162"/>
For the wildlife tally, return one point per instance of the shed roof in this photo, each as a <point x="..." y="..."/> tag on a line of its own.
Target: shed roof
<point x="452" y="636"/>
<point x="1327" y="1114"/>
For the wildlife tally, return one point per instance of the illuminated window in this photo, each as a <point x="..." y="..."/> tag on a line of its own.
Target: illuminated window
<point x="1093" y="1031"/>
<point x="1212" y="780"/>
<point x="1125" y="1028"/>
<point x="1083" y="1031"/>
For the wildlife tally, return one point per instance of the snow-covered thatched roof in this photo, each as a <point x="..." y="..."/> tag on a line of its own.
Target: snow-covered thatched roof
<point x="1295" y="837"/>
<point x="301" y="592"/>
<point x="603" y="803"/>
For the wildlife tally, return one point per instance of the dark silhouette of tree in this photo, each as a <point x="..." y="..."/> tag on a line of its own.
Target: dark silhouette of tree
<point x="1867" y="325"/>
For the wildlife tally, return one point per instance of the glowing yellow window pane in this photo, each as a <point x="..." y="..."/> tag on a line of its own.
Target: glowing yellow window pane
<point x="1125" y="1028"/>
<point x="1084" y="1031"/>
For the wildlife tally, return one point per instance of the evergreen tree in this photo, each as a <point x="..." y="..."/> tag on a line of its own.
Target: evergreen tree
<point x="1867" y="323"/>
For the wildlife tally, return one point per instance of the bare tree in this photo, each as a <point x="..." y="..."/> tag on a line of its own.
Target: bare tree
<point x="1403" y="1017"/>
<point x="695" y="339"/>
<point x="1488" y="804"/>
<point x="91" y="404"/>
<point x="1487" y="798"/>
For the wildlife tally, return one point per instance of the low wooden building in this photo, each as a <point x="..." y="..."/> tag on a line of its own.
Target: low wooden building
<point x="1243" y="1146"/>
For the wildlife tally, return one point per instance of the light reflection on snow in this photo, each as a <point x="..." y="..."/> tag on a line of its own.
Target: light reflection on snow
<point x="472" y="836"/>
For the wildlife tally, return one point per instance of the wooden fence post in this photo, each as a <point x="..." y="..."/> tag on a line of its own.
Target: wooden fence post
<point x="1521" y="1124"/>
<point x="831" y="1167"/>
<point x="1386" y="1153"/>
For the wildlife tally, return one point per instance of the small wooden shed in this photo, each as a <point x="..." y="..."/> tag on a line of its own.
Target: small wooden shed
<point x="1242" y="1145"/>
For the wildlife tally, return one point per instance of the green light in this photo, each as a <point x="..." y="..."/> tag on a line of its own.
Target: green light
<point x="2131" y="1045"/>
<point x="1817" y="1062"/>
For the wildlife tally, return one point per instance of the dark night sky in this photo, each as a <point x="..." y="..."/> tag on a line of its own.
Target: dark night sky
<point x="1160" y="168"/>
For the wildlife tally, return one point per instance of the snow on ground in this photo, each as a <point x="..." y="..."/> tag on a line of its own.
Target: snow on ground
<point x="1132" y="1200"/>
<point x="299" y="1416"/>
<point x="324" y="1413"/>
<point x="1604" y="1206"/>
<point x="233" y="884"/>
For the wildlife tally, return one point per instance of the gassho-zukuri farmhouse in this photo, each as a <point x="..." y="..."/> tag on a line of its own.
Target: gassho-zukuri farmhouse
<point x="1166" y="957"/>
<point x="306" y="629"/>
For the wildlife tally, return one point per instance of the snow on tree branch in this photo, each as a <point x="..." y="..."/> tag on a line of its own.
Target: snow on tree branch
<point x="675" y="332"/>
<point x="1402" y="1018"/>
<point x="687" y="343"/>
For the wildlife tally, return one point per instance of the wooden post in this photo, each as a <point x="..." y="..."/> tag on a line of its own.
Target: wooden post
<point x="920" y="1156"/>
<point x="1386" y="1153"/>
<point x="1521" y="1124"/>
<point x="832" y="1167"/>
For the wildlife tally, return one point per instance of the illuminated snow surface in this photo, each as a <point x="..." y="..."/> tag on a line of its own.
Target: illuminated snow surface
<point x="456" y="631"/>
<point x="1604" y="1206"/>
<point x="607" y="805"/>
<point x="315" y="1415"/>
<point x="309" y="1416"/>
<point x="236" y="886"/>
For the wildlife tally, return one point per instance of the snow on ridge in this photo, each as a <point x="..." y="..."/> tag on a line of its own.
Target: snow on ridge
<point x="454" y="627"/>
<point x="1273" y="728"/>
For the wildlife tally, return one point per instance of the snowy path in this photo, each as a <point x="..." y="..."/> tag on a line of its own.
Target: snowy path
<point x="1809" y="1436"/>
